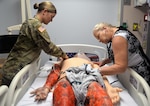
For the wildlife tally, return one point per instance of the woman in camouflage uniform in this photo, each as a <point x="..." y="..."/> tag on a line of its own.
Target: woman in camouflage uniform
<point x="32" y="39"/>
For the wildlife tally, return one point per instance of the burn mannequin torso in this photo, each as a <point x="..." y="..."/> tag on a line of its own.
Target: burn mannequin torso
<point x="74" y="62"/>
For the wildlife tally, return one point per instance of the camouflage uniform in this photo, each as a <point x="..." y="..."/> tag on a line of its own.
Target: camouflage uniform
<point x="32" y="39"/>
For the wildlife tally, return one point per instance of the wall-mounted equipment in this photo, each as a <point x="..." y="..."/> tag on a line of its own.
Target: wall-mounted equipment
<point x="135" y="26"/>
<point x="139" y="2"/>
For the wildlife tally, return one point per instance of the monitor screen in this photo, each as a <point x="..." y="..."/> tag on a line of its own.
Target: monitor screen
<point x="7" y="42"/>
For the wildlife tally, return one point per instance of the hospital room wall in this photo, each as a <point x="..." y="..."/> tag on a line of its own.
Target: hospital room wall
<point x="10" y="14"/>
<point x="133" y="14"/>
<point x="74" y="21"/>
<point x="76" y="18"/>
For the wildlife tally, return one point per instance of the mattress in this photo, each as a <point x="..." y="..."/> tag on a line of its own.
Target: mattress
<point x="29" y="78"/>
<point x="28" y="100"/>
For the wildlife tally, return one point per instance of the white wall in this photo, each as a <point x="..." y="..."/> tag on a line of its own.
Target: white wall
<point x="10" y="14"/>
<point x="76" y="18"/>
<point x="74" y="21"/>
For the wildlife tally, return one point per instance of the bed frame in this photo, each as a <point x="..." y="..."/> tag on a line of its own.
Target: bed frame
<point x="137" y="87"/>
<point x="3" y="94"/>
<point x="135" y="84"/>
<point x="21" y="82"/>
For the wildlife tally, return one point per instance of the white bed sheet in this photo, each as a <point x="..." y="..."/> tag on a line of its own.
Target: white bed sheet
<point x="27" y="100"/>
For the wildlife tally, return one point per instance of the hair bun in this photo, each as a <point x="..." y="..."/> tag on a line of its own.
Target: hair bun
<point x="36" y="6"/>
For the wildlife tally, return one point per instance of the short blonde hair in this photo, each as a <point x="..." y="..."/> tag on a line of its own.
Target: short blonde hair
<point x="100" y="26"/>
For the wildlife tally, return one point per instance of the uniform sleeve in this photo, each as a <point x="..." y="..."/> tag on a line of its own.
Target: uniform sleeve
<point x="42" y="40"/>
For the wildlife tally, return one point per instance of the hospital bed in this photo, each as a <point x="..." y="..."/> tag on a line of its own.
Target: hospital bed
<point x="3" y="94"/>
<point x="136" y="91"/>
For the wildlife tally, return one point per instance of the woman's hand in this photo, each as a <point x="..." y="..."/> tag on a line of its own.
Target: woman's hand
<point x="66" y="57"/>
<point x="98" y="63"/>
<point x="41" y="93"/>
<point x="101" y="63"/>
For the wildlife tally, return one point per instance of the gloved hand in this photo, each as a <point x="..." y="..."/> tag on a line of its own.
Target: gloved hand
<point x="40" y="93"/>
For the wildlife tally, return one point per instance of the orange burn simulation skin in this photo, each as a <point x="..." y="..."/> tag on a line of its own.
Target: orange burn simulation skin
<point x="63" y="94"/>
<point x="53" y="77"/>
<point x="97" y="96"/>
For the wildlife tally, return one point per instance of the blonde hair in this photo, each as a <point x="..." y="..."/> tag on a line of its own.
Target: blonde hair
<point x="100" y="26"/>
<point x="45" y="5"/>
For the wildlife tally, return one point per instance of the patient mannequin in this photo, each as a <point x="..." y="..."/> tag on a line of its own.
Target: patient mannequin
<point x="64" y="93"/>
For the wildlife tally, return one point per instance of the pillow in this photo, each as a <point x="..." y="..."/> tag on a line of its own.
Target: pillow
<point x="91" y="56"/>
<point x="82" y="55"/>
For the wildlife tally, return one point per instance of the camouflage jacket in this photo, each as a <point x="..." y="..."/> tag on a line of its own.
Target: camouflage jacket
<point x="32" y="39"/>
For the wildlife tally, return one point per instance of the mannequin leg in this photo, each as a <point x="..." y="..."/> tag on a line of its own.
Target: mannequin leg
<point x="97" y="96"/>
<point x="63" y="94"/>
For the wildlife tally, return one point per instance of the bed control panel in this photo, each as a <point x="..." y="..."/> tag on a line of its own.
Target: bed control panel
<point x="133" y="81"/>
<point x="25" y="77"/>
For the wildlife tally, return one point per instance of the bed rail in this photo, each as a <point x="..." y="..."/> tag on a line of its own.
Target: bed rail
<point x="84" y="48"/>
<point x="137" y="87"/>
<point x="3" y="93"/>
<point x="21" y="82"/>
<point x="133" y="82"/>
